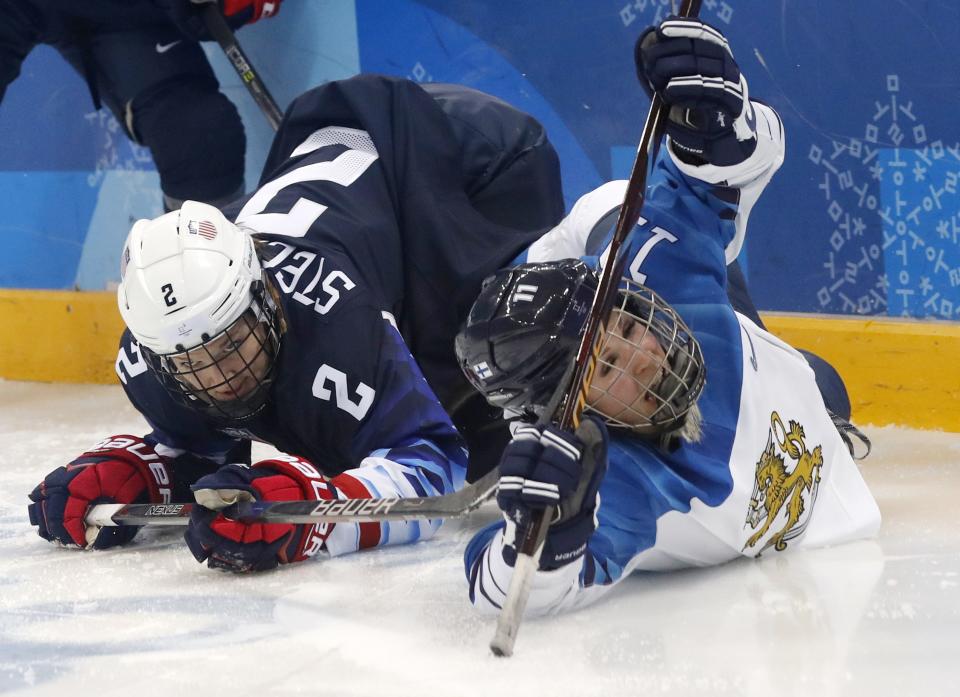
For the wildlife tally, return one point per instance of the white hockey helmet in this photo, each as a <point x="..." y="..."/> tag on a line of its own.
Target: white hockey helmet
<point x="190" y="281"/>
<point x="185" y="277"/>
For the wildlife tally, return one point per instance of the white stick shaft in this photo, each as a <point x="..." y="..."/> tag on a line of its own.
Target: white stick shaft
<point x="508" y="622"/>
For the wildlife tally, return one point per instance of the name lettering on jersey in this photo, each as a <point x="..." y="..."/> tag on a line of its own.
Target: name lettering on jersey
<point x="783" y="494"/>
<point x="302" y="264"/>
<point x="341" y="395"/>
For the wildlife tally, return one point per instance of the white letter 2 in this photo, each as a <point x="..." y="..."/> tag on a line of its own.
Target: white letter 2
<point x="365" y="393"/>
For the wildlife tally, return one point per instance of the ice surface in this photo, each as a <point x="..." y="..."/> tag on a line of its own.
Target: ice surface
<point x="877" y="618"/>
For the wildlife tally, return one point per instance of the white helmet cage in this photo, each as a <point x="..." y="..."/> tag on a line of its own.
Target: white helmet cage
<point x="678" y="367"/>
<point x="192" y="293"/>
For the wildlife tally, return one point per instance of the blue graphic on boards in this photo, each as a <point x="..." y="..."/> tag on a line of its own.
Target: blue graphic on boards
<point x="438" y="49"/>
<point x="863" y="217"/>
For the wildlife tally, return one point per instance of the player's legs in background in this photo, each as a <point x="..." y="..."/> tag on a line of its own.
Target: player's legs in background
<point x="831" y="385"/>
<point x="828" y="379"/>
<point x="161" y="88"/>
<point x="739" y="296"/>
<point x="20" y="31"/>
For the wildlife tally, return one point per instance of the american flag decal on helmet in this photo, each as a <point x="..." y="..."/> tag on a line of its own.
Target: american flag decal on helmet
<point x="204" y="228"/>
<point x="208" y="229"/>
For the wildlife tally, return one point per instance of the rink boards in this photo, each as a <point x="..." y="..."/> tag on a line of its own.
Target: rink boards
<point x="897" y="371"/>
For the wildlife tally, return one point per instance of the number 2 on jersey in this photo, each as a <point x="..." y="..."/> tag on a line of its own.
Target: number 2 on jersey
<point x="341" y="395"/>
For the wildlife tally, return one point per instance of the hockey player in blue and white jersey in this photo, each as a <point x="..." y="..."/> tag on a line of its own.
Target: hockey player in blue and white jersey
<point x="706" y="438"/>
<point x="318" y="315"/>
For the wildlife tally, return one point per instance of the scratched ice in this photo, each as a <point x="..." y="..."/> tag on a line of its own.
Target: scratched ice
<point x="878" y="619"/>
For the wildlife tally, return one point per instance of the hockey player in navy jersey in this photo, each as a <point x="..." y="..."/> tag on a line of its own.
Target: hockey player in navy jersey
<point x="706" y="438"/>
<point x="142" y="59"/>
<point x="317" y="315"/>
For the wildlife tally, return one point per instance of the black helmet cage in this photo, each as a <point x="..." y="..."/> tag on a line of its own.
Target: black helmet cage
<point x="188" y="378"/>
<point x="679" y="373"/>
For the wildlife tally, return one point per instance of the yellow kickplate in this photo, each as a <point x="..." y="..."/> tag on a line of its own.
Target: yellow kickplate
<point x="897" y="371"/>
<point x="59" y="336"/>
<point x="903" y="372"/>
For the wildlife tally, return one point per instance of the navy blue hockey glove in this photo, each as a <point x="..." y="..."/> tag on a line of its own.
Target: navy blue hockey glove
<point x="120" y="469"/>
<point x="235" y="546"/>
<point x="689" y="64"/>
<point x="551" y="468"/>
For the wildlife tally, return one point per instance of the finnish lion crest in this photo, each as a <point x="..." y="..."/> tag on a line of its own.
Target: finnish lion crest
<point x="777" y="488"/>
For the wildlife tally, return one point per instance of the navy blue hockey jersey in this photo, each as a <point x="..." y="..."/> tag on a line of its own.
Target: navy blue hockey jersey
<point x="367" y="230"/>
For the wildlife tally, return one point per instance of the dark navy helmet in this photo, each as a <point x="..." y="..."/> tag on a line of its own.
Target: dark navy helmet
<point x="523" y="330"/>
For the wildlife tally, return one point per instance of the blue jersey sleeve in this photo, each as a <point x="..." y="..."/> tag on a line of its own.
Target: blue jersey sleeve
<point x="406" y="447"/>
<point x="677" y="247"/>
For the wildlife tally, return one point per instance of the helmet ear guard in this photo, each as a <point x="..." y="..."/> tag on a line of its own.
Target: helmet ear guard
<point x="524" y="329"/>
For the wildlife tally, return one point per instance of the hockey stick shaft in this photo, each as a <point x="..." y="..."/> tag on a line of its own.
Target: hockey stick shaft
<point x="530" y="538"/>
<point x="221" y="31"/>
<point x="454" y="505"/>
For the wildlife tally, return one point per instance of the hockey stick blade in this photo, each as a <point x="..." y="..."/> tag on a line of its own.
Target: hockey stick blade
<point x="454" y="505"/>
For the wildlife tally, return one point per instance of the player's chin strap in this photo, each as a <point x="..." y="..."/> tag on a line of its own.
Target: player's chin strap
<point x="847" y="429"/>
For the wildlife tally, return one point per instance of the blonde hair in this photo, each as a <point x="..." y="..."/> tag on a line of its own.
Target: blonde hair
<point x="692" y="428"/>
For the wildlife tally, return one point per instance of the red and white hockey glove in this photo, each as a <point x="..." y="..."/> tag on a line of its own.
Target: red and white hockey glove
<point x="120" y="469"/>
<point x="187" y="15"/>
<point x="235" y="546"/>
<point x="249" y="11"/>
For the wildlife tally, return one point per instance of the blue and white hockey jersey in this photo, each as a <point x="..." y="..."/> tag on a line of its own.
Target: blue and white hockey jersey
<point x="770" y="472"/>
<point x="368" y="229"/>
